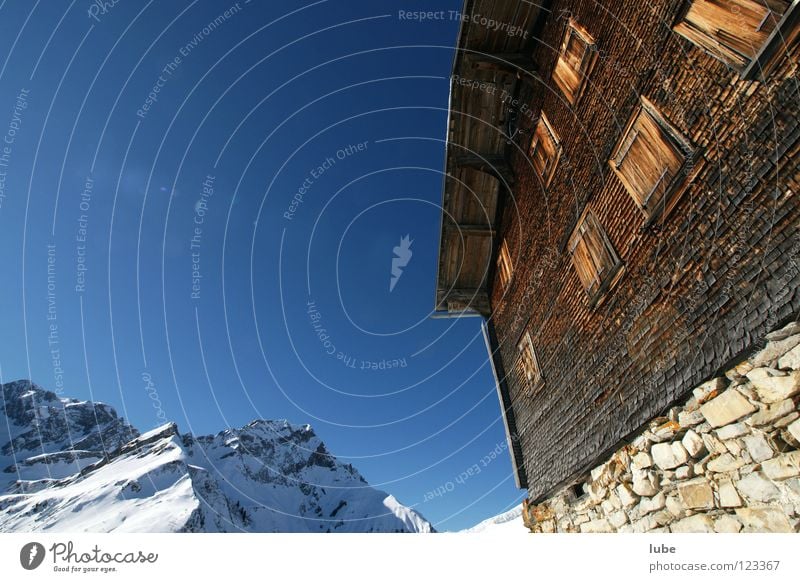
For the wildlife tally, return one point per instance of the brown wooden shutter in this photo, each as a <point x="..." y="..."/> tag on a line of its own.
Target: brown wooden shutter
<point x="574" y="62"/>
<point x="585" y="266"/>
<point x="544" y="151"/>
<point x="595" y="259"/>
<point x="649" y="160"/>
<point x="528" y="371"/>
<point x="602" y="256"/>
<point x="731" y="30"/>
<point x="538" y="154"/>
<point x="504" y="267"/>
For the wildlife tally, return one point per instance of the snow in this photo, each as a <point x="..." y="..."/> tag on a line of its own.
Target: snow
<point x="506" y="524"/>
<point x="266" y="476"/>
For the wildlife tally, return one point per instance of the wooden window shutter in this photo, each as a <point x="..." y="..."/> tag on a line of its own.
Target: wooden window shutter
<point x="732" y="31"/>
<point x="585" y="266"/>
<point x="504" y="267"/>
<point x="575" y="60"/>
<point x="528" y="371"/>
<point x="595" y="259"/>
<point x="545" y="150"/>
<point x="650" y="158"/>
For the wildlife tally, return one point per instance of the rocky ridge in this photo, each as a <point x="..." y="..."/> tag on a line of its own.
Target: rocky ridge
<point x="76" y="466"/>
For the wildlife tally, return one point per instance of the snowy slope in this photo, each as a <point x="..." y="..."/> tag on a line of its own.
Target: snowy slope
<point x="46" y="437"/>
<point x="508" y="523"/>
<point x="266" y="476"/>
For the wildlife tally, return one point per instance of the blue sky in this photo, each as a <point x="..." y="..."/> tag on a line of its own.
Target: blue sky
<point x="280" y="155"/>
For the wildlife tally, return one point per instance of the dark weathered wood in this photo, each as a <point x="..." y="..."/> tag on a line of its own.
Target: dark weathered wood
<point x="494" y="164"/>
<point x="700" y="279"/>
<point x="507" y="61"/>
<point x="781" y="41"/>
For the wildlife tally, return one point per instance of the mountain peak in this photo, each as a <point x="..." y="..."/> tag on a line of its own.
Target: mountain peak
<point x="270" y="475"/>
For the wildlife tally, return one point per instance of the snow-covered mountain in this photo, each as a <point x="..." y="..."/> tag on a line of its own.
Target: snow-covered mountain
<point x="76" y="466"/>
<point x="508" y="523"/>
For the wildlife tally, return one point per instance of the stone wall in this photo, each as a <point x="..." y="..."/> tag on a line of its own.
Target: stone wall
<point x="726" y="460"/>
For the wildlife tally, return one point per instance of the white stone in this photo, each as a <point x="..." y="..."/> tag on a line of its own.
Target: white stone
<point x="614" y="498"/>
<point x="771" y="413"/>
<point x="693" y="444"/>
<point x="697" y="494"/>
<point x="642" y="441"/>
<point x="728" y="496"/>
<point x="743" y="368"/>
<point x="763" y="519"/>
<point x="644" y="482"/>
<point x="758" y="488"/>
<point x="725" y="463"/>
<point x="626" y="496"/>
<point x="642" y="525"/>
<point x="699" y="523"/>
<point x="663" y="429"/>
<point x="732" y="431"/>
<point x="794" y="429"/>
<point x="596" y="526"/>
<point x="596" y="492"/>
<point x="726" y="408"/>
<point x="792" y="328"/>
<point x="786" y="420"/>
<point x="689" y="419"/>
<point x="579" y="519"/>
<point x="618" y="519"/>
<point x="708" y="389"/>
<point x="790" y="360"/>
<point x="675" y="506"/>
<point x="669" y="455"/>
<point x="782" y="467"/>
<point x="691" y="405"/>
<point x="727" y="524"/>
<point x="774" y="385"/>
<point x="713" y="444"/>
<point x="734" y="447"/>
<point x="642" y="461"/>
<point x="651" y="504"/>
<point x="774" y="350"/>
<point x="758" y="448"/>
<point x="683" y="472"/>
<point x="747" y="391"/>
<point x="702" y="428"/>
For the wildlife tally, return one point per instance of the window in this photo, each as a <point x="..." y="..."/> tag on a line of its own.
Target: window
<point x="653" y="161"/>
<point x="732" y="31"/>
<point x="530" y="375"/>
<point x="545" y="150"/>
<point x="575" y="61"/>
<point x="594" y="257"/>
<point x="504" y="267"/>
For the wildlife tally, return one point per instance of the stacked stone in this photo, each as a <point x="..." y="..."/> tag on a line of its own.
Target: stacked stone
<point x="727" y="460"/>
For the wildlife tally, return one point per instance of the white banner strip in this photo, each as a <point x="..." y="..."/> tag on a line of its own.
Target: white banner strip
<point x="358" y="557"/>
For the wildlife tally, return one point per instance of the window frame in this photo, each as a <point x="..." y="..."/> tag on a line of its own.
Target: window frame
<point x="505" y="266"/>
<point x="688" y="154"/>
<point x="547" y="173"/>
<point x="532" y="378"/>
<point x="588" y="60"/>
<point x="605" y="276"/>
<point x="727" y="53"/>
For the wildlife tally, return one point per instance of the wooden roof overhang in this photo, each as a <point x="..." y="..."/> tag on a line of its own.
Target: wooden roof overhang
<point x="493" y="57"/>
<point x="492" y="61"/>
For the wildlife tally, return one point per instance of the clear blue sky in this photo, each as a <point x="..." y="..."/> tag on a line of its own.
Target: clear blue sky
<point x="273" y="98"/>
